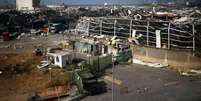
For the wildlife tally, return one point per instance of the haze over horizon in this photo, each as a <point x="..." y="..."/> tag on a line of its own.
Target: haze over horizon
<point x="100" y="2"/>
<point x="90" y="2"/>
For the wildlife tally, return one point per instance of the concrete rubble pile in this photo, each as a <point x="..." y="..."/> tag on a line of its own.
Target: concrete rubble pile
<point x="155" y="65"/>
<point x="192" y="72"/>
<point x="182" y="24"/>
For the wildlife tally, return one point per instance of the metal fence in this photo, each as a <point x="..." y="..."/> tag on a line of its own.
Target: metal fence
<point x="171" y="35"/>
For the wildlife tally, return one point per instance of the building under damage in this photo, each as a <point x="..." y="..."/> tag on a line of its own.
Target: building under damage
<point x="188" y="2"/>
<point x="176" y="29"/>
<point x="20" y="4"/>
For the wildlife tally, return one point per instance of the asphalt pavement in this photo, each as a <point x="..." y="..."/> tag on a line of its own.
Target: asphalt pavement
<point x="141" y="83"/>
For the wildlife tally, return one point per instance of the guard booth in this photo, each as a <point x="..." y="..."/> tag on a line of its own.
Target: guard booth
<point x="60" y="58"/>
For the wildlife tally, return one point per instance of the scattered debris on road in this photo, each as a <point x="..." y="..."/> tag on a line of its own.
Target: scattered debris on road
<point x="18" y="46"/>
<point x="43" y="65"/>
<point x="6" y="46"/>
<point x="109" y="78"/>
<point x="142" y="90"/>
<point x="171" y="83"/>
<point x="196" y="71"/>
<point x="156" y="65"/>
<point x="124" y="90"/>
<point x="192" y="72"/>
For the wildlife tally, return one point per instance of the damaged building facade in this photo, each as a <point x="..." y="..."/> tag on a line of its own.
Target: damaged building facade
<point x="168" y="30"/>
<point x="188" y="2"/>
<point x="147" y="33"/>
<point x="20" y="4"/>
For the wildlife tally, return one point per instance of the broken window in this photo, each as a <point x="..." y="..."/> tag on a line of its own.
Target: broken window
<point x="57" y="59"/>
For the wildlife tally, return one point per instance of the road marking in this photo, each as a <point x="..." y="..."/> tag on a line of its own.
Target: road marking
<point x="109" y="78"/>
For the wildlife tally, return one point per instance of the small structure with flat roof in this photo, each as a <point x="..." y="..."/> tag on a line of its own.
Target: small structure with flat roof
<point x="60" y="58"/>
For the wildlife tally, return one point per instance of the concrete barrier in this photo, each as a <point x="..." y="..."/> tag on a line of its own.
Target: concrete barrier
<point x="182" y="59"/>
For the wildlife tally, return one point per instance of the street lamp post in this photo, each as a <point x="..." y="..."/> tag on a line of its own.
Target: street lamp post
<point x="113" y="74"/>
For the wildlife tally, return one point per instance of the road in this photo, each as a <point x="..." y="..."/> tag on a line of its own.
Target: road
<point x="132" y="82"/>
<point x="141" y="83"/>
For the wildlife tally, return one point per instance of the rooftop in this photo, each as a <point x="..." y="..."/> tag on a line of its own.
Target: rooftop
<point x="59" y="52"/>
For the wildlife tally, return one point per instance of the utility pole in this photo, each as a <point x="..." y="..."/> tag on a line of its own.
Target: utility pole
<point x="115" y="22"/>
<point x="113" y="65"/>
<point x="68" y="11"/>
<point x="88" y="27"/>
<point x="113" y="77"/>
<point x="101" y="26"/>
<point x="169" y="35"/>
<point x="148" y="33"/>
<point x="193" y="38"/>
<point x="131" y="23"/>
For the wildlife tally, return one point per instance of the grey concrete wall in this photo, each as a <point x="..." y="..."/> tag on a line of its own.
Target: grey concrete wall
<point x="172" y="57"/>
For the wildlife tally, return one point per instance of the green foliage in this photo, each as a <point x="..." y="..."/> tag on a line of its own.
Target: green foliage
<point x="59" y="78"/>
<point x="71" y="67"/>
<point x="55" y="81"/>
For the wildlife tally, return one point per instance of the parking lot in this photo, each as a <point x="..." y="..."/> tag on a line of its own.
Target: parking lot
<point x="141" y="83"/>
